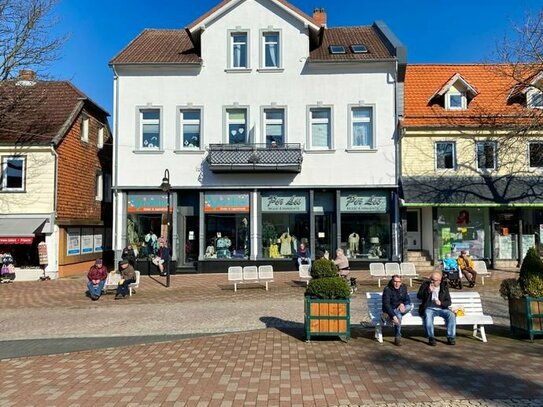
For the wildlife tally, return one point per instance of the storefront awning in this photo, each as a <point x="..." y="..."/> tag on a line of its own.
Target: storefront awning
<point x="20" y="230"/>
<point x="472" y="191"/>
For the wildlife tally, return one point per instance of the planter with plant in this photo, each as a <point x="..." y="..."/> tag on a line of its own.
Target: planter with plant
<point x="327" y="302"/>
<point x="525" y="296"/>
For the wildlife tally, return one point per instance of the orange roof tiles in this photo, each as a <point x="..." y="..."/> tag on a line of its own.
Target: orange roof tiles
<point x="490" y="107"/>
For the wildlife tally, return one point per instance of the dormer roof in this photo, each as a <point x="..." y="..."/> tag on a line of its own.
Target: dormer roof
<point x="471" y="92"/>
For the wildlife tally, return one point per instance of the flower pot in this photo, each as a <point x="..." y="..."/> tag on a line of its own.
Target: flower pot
<point x="526" y="315"/>
<point x="327" y="318"/>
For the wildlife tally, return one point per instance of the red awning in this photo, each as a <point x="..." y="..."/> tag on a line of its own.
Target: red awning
<point x="16" y="240"/>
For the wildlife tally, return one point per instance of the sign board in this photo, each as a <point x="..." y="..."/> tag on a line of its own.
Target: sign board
<point x="16" y="240"/>
<point x="98" y="240"/>
<point x="87" y="241"/>
<point x="364" y="201"/>
<point x="284" y="201"/>
<point x="147" y="202"/>
<point x="73" y="241"/>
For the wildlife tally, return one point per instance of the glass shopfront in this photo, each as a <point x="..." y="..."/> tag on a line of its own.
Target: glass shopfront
<point x="227" y="227"/>
<point x="365" y="225"/>
<point x="506" y="234"/>
<point x="285" y="223"/>
<point x="147" y="220"/>
<point x="463" y="229"/>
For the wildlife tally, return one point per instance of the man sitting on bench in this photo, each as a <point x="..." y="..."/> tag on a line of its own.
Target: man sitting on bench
<point x="435" y="302"/>
<point x="396" y="303"/>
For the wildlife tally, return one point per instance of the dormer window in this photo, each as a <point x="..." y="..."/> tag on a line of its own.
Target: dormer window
<point x="535" y="99"/>
<point x="455" y="101"/>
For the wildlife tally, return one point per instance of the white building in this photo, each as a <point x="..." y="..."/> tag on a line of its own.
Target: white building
<point x="275" y="129"/>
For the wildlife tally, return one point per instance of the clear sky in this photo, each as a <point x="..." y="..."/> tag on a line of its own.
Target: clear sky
<point x="434" y="31"/>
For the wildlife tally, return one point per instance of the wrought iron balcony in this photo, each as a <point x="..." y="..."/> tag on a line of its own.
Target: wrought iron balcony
<point x="255" y="157"/>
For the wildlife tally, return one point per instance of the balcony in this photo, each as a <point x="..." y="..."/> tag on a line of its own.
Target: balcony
<point x="255" y="158"/>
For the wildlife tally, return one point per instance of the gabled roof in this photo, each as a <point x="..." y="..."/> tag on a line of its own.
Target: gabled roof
<point x="227" y="4"/>
<point x="158" y="47"/>
<point x="453" y="80"/>
<point x="490" y="107"/>
<point x="347" y="36"/>
<point x="41" y="113"/>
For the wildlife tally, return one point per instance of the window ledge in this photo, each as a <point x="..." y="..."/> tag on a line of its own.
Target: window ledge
<point x="189" y="151"/>
<point x="148" y="151"/>
<point x="238" y="70"/>
<point x="361" y="150"/>
<point x="332" y="151"/>
<point x="270" y="70"/>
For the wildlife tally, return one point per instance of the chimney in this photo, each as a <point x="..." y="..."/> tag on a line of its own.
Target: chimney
<point x="27" y="75"/>
<point x="319" y="15"/>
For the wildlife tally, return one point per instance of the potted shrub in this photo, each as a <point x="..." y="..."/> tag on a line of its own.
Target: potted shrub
<point x="525" y="296"/>
<point x="327" y="302"/>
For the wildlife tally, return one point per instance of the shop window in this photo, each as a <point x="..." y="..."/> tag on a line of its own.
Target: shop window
<point x="282" y="234"/>
<point x="227" y="236"/>
<point x="13" y="174"/>
<point x="366" y="235"/>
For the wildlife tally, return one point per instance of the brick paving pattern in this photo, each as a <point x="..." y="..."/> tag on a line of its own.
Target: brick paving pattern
<point x="251" y="354"/>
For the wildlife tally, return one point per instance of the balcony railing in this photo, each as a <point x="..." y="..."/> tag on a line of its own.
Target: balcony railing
<point x="255" y="157"/>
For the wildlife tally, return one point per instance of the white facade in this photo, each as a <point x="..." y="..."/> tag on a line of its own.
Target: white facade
<point x="297" y="86"/>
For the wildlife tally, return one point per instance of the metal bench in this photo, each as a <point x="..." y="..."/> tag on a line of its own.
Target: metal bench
<point x="250" y="274"/>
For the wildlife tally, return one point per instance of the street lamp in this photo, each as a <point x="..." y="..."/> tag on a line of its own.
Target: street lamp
<point x="166" y="187"/>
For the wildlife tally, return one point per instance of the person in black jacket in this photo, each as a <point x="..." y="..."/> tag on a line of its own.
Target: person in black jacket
<point x="396" y="303"/>
<point x="435" y="301"/>
<point x="129" y="254"/>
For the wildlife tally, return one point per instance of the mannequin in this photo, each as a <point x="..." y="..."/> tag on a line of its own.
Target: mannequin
<point x="354" y="240"/>
<point x="286" y="248"/>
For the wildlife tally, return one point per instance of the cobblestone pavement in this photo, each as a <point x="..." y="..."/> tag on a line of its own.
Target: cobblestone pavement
<point x="198" y="343"/>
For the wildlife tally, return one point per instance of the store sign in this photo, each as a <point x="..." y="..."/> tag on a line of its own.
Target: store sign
<point x="73" y="240"/>
<point x="284" y="202"/>
<point x="16" y="240"/>
<point x="226" y="202"/>
<point x="364" y="202"/>
<point x="146" y="202"/>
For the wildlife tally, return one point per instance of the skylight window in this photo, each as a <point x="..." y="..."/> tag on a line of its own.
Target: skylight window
<point x="359" y="48"/>
<point x="337" y="49"/>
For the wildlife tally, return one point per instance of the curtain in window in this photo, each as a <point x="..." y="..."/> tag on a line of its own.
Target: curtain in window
<point x="272" y="50"/>
<point x="321" y="134"/>
<point x="362" y="135"/>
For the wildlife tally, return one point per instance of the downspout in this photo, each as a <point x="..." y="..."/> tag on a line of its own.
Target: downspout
<point x="55" y="202"/>
<point x="115" y="162"/>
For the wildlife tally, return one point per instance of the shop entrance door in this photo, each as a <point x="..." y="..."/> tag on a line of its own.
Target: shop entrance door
<point x="413" y="230"/>
<point x="188" y="232"/>
<point x="325" y="235"/>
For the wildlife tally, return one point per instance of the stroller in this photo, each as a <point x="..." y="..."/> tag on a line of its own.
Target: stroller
<point x="451" y="273"/>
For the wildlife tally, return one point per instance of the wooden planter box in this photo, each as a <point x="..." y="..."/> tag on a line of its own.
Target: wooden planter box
<point x="327" y="318"/>
<point x="526" y="315"/>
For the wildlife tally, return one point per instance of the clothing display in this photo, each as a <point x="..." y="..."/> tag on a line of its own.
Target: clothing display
<point x="354" y="240"/>
<point x="286" y="247"/>
<point x="274" y="251"/>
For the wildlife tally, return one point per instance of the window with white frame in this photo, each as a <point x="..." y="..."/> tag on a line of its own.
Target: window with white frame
<point x="486" y="155"/>
<point x="99" y="186"/>
<point x="445" y="155"/>
<point x="320" y="127"/>
<point x="272" y="51"/>
<point x="535" y="98"/>
<point x="236" y="126"/>
<point x="150" y="129"/>
<point x="239" y="50"/>
<point x="274" y="126"/>
<point x="536" y="154"/>
<point x="100" y="137"/>
<point x="13" y="174"/>
<point x="190" y="128"/>
<point x="455" y="100"/>
<point x="362" y="127"/>
<point x="84" y="129"/>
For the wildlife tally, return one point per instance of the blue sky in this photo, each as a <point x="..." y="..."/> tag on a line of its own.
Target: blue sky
<point x="434" y="31"/>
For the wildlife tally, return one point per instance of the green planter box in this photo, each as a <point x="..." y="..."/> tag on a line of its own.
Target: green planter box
<point x="327" y="318"/>
<point x="526" y="315"/>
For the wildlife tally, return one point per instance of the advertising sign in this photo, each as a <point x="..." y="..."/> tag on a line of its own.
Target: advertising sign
<point x="87" y="240"/>
<point x="147" y="202"/>
<point x="226" y="202"/>
<point x="284" y="201"/>
<point x="73" y="241"/>
<point x="98" y="240"/>
<point x="364" y="201"/>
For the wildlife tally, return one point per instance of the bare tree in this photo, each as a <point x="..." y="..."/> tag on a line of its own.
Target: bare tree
<point x="25" y="36"/>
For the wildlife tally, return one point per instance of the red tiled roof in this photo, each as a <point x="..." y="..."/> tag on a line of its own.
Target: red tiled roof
<point x="38" y="113"/>
<point x="192" y="25"/>
<point x="491" y="106"/>
<point x="346" y="36"/>
<point x="158" y="47"/>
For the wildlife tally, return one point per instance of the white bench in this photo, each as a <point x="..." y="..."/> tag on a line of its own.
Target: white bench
<point x="113" y="279"/>
<point x="482" y="271"/>
<point x="377" y="270"/>
<point x="470" y="301"/>
<point x="304" y="274"/>
<point x="250" y="274"/>
<point x="408" y="270"/>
